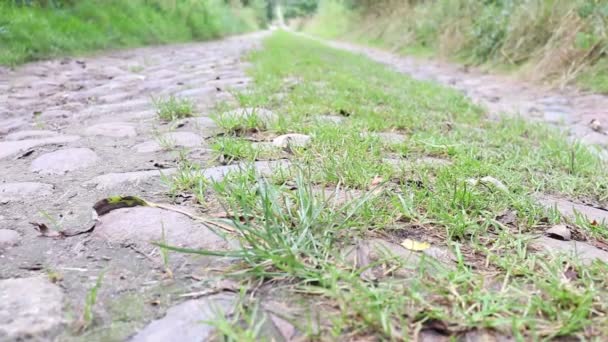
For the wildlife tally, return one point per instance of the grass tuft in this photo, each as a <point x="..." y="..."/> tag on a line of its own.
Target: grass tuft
<point x="173" y="108"/>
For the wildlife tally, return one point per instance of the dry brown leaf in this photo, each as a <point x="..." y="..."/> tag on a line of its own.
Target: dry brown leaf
<point x="376" y="181"/>
<point x="44" y="230"/>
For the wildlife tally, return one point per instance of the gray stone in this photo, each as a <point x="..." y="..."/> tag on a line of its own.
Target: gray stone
<point x="336" y="196"/>
<point x="262" y="168"/>
<point x="387" y="137"/>
<point x="186" y="321"/>
<point x="433" y="161"/>
<point x="202" y="123"/>
<point x="9" y="148"/>
<point x="485" y="336"/>
<point x="23" y="191"/>
<point x="10" y="125"/>
<point x="371" y="251"/>
<point x="560" y="232"/>
<point x="585" y="252"/>
<point x="148" y="147"/>
<point x="114" y="180"/>
<point x="146" y="224"/>
<point x="264" y="146"/>
<point x="63" y="161"/>
<point x="30" y="134"/>
<point x="197" y="92"/>
<point x="30" y="309"/>
<point x="8" y="238"/>
<point x="334" y="119"/>
<point x="264" y="115"/>
<point x="112" y="129"/>
<point x="55" y="114"/>
<point x="570" y="209"/>
<point x="391" y="138"/>
<point x="291" y="140"/>
<point x="556" y="116"/>
<point x="173" y="139"/>
<point x="423" y="161"/>
<point x="595" y="138"/>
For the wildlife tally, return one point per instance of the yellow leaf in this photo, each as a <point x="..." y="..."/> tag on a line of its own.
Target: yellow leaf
<point x="414" y="245"/>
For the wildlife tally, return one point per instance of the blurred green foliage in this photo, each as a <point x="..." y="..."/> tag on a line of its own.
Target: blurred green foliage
<point x="34" y="29"/>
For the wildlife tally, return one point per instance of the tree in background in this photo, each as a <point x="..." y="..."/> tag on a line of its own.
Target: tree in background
<point x="298" y="8"/>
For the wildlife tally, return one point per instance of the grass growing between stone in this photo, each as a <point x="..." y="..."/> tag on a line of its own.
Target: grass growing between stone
<point x="173" y="108"/>
<point x="391" y="158"/>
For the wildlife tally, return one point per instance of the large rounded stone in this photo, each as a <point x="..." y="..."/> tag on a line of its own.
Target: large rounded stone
<point x="261" y="168"/>
<point x="8" y="148"/>
<point x="63" y="161"/>
<point x="203" y="124"/>
<point x="146" y="224"/>
<point x="173" y="139"/>
<point x="8" y="238"/>
<point x="186" y="321"/>
<point x="22" y="191"/>
<point x="332" y="119"/>
<point x="112" y="130"/>
<point x="265" y="116"/>
<point x="30" y="309"/>
<point x="114" y="180"/>
<point x="10" y="125"/>
<point x="30" y="134"/>
<point x="571" y="209"/>
<point x="291" y="140"/>
<point x="390" y="138"/>
<point x="585" y="252"/>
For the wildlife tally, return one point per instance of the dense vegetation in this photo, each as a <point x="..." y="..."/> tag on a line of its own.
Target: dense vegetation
<point x="558" y="40"/>
<point x="34" y="29"/>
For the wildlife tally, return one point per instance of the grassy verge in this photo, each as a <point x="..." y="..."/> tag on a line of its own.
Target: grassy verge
<point x="557" y="40"/>
<point x="352" y="186"/>
<point x="33" y="32"/>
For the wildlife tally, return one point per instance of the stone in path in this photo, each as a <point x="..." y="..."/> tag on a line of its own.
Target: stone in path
<point x="146" y="224"/>
<point x="203" y="124"/>
<point x="114" y="180"/>
<point x="173" y="139"/>
<point x="8" y="238"/>
<point x="265" y="116"/>
<point x="10" y="125"/>
<point x="30" y="134"/>
<point x="9" y="148"/>
<point x="423" y="161"/>
<point x="332" y="119"/>
<point x="262" y="168"/>
<point x="371" y="251"/>
<point x="186" y="321"/>
<point x="291" y="140"/>
<point x="112" y="130"/>
<point x="570" y="209"/>
<point x="30" y="309"/>
<point x="584" y="251"/>
<point x="390" y="138"/>
<point x="63" y="161"/>
<point x="23" y="191"/>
